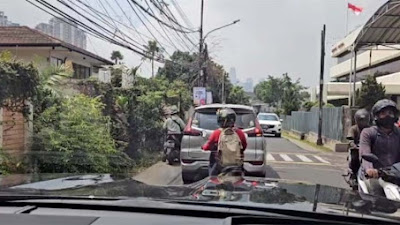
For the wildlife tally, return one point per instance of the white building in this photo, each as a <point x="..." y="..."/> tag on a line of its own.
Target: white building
<point x="379" y="60"/>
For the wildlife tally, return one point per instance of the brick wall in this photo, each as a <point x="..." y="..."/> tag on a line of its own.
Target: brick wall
<point x="13" y="131"/>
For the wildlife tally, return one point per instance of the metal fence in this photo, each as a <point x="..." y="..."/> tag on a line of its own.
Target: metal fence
<point x="332" y="125"/>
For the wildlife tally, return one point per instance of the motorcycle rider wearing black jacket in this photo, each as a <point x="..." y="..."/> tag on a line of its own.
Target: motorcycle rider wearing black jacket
<point x="362" y="120"/>
<point x="383" y="140"/>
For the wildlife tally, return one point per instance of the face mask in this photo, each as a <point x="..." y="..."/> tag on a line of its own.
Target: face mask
<point x="386" y="122"/>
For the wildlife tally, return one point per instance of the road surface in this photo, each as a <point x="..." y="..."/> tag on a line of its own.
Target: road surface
<point x="285" y="160"/>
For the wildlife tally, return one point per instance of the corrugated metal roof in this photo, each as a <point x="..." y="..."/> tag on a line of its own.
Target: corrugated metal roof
<point x="383" y="27"/>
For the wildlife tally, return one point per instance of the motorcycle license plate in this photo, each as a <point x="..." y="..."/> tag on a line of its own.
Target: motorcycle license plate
<point x="169" y="145"/>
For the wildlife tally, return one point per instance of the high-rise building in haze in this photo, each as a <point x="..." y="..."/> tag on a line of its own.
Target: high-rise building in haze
<point x="4" y="20"/>
<point x="248" y="85"/>
<point x="64" y="31"/>
<point x="232" y="76"/>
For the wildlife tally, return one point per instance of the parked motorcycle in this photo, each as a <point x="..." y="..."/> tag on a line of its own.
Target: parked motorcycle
<point x="172" y="148"/>
<point x="389" y="178"/>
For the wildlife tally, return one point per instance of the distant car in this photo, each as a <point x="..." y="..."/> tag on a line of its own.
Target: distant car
<point x="270" y="123"/>
<point x="195" y="161"/>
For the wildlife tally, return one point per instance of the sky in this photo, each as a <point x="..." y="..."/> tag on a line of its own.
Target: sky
<point x="273" y="36"/>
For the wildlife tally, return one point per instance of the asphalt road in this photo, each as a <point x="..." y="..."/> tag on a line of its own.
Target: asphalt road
<point x="285" y="160"/>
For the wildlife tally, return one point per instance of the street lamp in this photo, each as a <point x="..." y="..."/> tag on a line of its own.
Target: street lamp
<point x="227" y="25"/>
<point x="202" y="39"/>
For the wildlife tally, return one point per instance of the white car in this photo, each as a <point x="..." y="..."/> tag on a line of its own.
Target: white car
<point x="270" y="123"/>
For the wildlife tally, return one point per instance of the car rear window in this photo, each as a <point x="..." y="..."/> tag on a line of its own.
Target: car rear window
<point x="208" y="120"/>
<point x="267" y="117"/>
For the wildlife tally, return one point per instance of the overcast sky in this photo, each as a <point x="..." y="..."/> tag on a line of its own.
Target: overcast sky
<point x="273" y="36"/>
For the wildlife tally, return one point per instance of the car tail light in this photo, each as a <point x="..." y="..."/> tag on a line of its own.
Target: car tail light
<point x="189" y="130"/>
<point x="256" y="163"/>
<point x="256" y="132"/>
<point x="187" y="161"/>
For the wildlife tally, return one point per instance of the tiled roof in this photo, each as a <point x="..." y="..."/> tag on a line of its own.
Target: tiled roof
<point x="28" y="37"/>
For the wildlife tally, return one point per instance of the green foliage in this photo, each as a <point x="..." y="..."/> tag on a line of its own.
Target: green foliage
<point x="181" y="65"/>
<point x="370" y="93"/>
<point x="52" y="76"/>
<point x="270" y="91"/>
<point x="75" y="137"/>
<point x="282" y="92"/>
<point x="10" y="164"/>
<point x="18" y="83"/>
<point x="309" y="104"/>
<point x="237" y="96"/>
<point x="116" y="55"/>
<point x="116" y="77"/>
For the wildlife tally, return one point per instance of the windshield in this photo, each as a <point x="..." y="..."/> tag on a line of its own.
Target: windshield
<point x="208" y="120"/>
<point x="267" y="117"/>
<point x="120" y="98"/>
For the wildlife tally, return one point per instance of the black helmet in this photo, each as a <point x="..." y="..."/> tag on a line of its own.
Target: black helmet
<point x="361" y="114"/>
<point x="226" y="117"/>
<point x="362" y="118"/>
<point x="383" y="104"/>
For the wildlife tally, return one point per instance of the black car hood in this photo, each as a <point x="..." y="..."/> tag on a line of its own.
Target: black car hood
<point x="270" y="193"/>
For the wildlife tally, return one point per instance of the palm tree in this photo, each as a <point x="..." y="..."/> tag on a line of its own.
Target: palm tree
<point x="152" y="51"/>
<point x="51" y="77"/>
<point x="116" y="55"/>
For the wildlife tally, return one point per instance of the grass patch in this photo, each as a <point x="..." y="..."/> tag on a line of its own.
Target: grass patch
<point x="312" y="144"/>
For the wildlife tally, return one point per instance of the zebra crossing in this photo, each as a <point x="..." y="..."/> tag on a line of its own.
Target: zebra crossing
<point x="296" y="158"/>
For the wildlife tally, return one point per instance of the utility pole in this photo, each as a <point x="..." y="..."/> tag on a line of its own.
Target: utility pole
<point x="201" y="44"/>
<point x="321" y="85"/>
<point x="223" y="89"/>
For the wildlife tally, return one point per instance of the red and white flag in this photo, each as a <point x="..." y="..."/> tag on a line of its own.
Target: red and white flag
<point x="357" y="10"/>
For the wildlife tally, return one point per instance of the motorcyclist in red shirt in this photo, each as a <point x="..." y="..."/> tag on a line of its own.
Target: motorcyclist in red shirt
<point x="226" y="119"/>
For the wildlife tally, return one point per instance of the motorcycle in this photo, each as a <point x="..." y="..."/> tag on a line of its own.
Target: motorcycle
<point x="354" y="165"/>
<point x="172" y="148"/>
<point x="389" y="178"/>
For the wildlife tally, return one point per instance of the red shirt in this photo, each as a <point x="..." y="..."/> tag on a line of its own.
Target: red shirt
<point x="214" y="138"/>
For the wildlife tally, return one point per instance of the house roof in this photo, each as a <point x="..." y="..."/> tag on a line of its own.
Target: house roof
<point x="24" y="36"/>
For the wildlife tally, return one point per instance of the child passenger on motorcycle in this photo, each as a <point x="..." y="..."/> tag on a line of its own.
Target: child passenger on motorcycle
<point x="226" y="118"/>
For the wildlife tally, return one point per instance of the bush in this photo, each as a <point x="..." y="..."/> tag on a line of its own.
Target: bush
<point x="75" y="137"/>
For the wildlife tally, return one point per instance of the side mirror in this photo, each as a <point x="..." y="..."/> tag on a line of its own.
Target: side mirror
<point x="350" y="138"/>
<point x="371" y="158"/>
<point x="281" y="120"/>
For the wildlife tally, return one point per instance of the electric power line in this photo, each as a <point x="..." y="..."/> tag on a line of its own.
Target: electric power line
<point x="86" y="27"/>
<point x="161" y="21"/>
<point x="146" y="27"/>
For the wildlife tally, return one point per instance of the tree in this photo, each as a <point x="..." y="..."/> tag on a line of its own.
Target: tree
<point x="181" y="65"/>
<point x="291" y="100"/>
<point x="270" y="91"/>
<point x="152" y="51"/>
<point x="116" y="55"/>
<point x="369" y="93"/>
<point x="237" y="96"/>
<point x="51" y="77"/>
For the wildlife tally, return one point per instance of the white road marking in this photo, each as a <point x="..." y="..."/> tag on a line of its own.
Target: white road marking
<point x="286" y="157"/>
<point x="304" y="158"/>
<point x="321" y="159"/>
<point x="270" y="157"/>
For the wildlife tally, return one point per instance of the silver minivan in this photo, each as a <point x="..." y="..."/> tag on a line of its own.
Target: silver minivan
<point x="195" y="161"/>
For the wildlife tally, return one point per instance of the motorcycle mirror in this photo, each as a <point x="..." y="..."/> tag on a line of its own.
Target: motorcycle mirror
<point x="350" y="138"/>
<point x="370" y="158"/>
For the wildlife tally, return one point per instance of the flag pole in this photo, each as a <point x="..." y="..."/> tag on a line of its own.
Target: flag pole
<point x="347" y="17"/>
